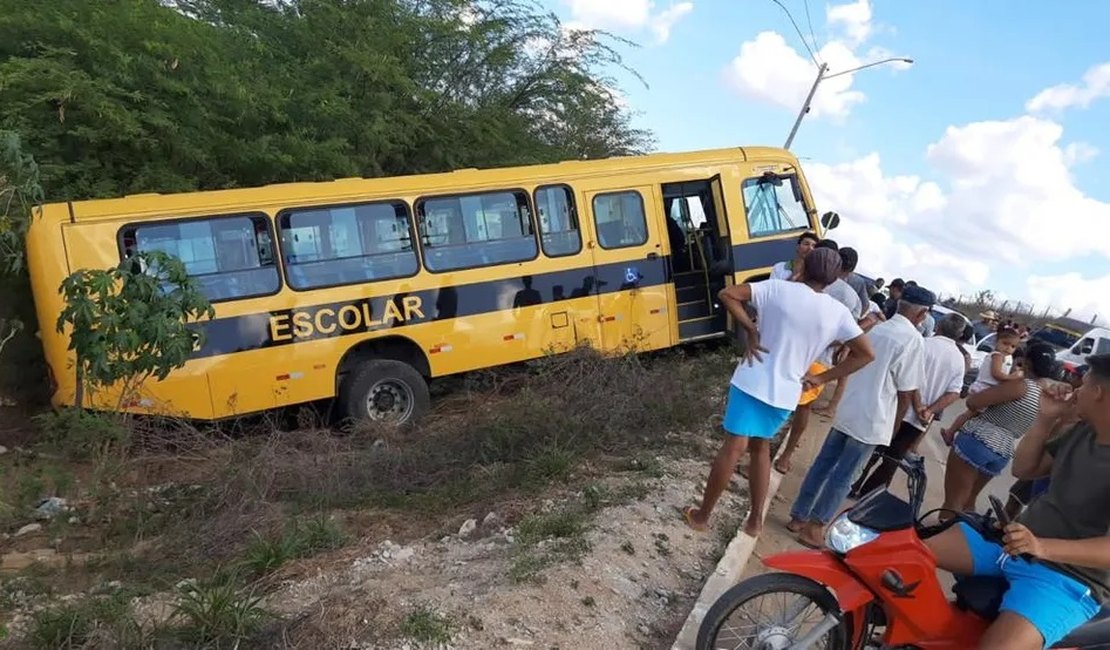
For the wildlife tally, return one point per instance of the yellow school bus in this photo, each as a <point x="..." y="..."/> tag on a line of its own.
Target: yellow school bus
<point x="365" y="290"/>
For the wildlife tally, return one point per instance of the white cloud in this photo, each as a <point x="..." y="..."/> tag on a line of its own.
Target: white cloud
<point x="627" y="16"/>
<point x="854" y="18"/>
<point x="1086" y="297"/>
<point x="662" y="23"/>
<point x="1004" y="199"/>
<point x="1078" y="153"/>
<point x="1095" y="85"/>
<point x="770" y="70"/>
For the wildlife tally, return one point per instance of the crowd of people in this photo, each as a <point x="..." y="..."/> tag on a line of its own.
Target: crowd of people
<point x="816" y="321"/>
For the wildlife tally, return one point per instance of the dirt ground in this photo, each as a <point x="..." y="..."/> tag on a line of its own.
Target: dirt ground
<point x="630" y="589"/>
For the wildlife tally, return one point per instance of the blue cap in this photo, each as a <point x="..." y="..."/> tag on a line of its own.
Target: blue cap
<point x="918" y="295"/>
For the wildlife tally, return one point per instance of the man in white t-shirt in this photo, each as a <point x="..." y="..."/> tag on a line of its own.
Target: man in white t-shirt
<point x="845" y="295"/>
<point x="875" y="401"/>
<point x="797" y="322"/>
<point x="788" y="269"/>
<point x="944" y="377"/>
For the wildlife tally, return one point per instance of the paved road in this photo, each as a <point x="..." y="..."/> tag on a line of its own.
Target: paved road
<point x="933" y="448"/>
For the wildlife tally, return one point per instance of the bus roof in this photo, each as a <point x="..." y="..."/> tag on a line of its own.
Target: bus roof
<point x="340" y="189"/>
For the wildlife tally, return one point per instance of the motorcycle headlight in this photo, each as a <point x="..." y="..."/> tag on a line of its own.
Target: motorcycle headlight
<point x="844" y="535"/>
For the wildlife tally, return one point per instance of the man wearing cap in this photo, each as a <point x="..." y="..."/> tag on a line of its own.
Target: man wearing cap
<point x="875" y="401"/>
<point x="891" y="305"/>
<point x="797" y="322"/>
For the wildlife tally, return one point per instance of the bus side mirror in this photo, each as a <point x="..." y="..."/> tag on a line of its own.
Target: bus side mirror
<point x="830" y="220"/>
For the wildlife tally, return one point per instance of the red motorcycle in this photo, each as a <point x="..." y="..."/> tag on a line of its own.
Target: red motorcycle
<point x="875" y="585"/>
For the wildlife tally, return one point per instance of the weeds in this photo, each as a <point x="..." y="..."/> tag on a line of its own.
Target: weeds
<point x="104" y="622"/>
<point x="425" y="625"/>
<point x="218" y="613"/>
<point x="300" y="539"/>
<point x="547" y="539"/>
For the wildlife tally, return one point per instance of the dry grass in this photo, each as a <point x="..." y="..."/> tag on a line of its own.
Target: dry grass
<point x="500" y="436"/>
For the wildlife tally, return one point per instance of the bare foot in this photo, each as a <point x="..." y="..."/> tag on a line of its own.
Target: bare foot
<point x="948" y="435"/>
<point x="782" y="465"/>
<point x="694" y="519"/>
<point x="811" y="536"/>
<point x="795" y="525"/>
<point x="753" y="526"/>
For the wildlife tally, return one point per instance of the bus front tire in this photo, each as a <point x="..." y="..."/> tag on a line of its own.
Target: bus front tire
<point x="384" y="390"/>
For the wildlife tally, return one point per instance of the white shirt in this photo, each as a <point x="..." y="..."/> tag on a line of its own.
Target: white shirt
<point x="782" y="270"/>
<point x="875" y="308"/>
<point x="796" y="324"/>
<point x="943" y="373"/>
<point x="870" y="404"/>
<point x="927" y="326"/>
<point x="847" y="296"/>
<point x="986" y="376"/>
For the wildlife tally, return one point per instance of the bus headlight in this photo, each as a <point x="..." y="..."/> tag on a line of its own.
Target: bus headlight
<point x="844" y="535"/>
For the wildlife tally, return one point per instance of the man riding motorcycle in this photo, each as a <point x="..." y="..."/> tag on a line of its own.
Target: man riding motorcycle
<point x="1056" y="555"/>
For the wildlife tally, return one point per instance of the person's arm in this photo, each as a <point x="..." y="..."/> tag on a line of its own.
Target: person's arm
<point x="1000" y="394"/>
<point x="860" y="353"/>
<point x="1093" y="553"/>
<point x="1030" y="459"/>
<point x="734" y="297"/>
<point x="906" y="399"/>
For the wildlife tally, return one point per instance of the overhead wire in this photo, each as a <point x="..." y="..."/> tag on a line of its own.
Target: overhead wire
<point x="798" y="30"/>
<point x="809" y="22"/>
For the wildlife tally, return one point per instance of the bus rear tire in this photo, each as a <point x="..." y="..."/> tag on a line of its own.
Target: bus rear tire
<point x="384" y="390"/>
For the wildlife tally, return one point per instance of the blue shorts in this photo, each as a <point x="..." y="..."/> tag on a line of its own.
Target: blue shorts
<point x="749" y="417"/>
<point x="981" y="457"/>
<point x="1055" y="603"/>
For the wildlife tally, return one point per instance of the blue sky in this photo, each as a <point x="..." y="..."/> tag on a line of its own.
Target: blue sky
<point x="947" y="171"/>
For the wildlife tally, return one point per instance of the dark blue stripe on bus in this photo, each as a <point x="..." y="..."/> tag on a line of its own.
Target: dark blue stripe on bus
<point x="375" y="313"/>
<point x="761" y="254"/>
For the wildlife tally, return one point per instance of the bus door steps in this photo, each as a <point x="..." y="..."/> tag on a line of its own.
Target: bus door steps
<point x="694" y="309"/>
<point x="700" y="327"/>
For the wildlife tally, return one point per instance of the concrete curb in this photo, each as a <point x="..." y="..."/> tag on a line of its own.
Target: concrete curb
<point x="726" y="574"/>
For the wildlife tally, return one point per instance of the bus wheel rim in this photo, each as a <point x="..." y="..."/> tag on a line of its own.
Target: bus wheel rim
<point x="390" y="399"/>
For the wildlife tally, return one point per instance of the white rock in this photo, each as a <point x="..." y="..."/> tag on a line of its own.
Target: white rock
<point x="74" y="520"/>
<point x="468" y="528"/>
<point x="512" y="641"/>
<point x="492" y="520"/>
<point x="3" y="450"/>
<point x="28" y="529"/>
<point x="404" y="554"/>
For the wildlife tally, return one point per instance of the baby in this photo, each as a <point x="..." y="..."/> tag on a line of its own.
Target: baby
<point x="996" y="368"/>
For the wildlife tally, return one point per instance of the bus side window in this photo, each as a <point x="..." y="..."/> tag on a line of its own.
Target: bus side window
<point x="620" y="220"/>
<point x="347" y="244"/>
<point x="473" y="230"/>
<point x="229" y="257"/>
<point x="558" y="219"/>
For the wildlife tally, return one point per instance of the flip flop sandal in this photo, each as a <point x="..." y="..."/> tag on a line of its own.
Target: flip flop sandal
<point x="688" y="517"/>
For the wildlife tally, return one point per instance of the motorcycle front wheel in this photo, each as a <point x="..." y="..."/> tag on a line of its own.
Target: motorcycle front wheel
<point x="771" y="612"/>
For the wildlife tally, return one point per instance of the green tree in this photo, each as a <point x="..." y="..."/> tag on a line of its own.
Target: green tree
<point x="127" y="96"/>
<point x="132" y="322"/>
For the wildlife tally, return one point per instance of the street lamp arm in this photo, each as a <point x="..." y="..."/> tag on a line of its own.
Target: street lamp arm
<point x="870" y="65"/>
<point x="821" y="76"/>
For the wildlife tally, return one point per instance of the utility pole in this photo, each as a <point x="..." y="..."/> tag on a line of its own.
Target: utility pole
<point x="821" y="76"/>
<point x="805" y="106"/>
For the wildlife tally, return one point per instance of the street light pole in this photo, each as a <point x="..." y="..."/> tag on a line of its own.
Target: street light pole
<point x="805" y="105"/>
<point x="821" y="76"/>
